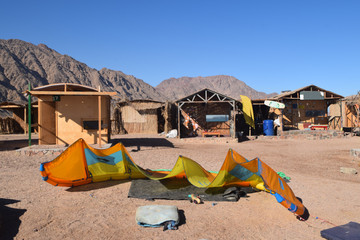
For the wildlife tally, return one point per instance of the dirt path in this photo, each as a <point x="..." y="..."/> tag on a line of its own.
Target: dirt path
<point x="33" y="209"/>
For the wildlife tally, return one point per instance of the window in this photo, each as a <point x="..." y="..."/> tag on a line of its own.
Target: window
<point x="217" y="118"/>
<point x="92" y="125"/>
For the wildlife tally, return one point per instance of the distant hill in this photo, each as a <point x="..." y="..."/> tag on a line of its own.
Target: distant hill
<point x="176" y="88"/>
<point x="21" y="62"/>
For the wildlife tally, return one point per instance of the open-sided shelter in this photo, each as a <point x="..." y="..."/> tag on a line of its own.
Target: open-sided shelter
<point x="207" y="113"/>
<point x="69" y="111"/>
<point x="18" y="122"/>
<point x="306" y="106"/>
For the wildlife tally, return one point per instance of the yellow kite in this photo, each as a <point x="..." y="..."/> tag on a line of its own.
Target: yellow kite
<point x="81" y="164"/>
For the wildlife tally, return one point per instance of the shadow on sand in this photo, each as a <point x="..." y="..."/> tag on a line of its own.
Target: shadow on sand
<point x="143" y="142"/>
<point x="8" y="145"/>
<point x="96" y="185"/>
<point x="9" y="219"/>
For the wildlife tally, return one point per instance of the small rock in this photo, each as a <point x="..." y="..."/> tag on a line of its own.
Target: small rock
<point x="355" y="153"/>
<point x="348" y="170"/>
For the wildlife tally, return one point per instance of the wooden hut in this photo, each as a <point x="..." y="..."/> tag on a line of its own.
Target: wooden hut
<point x="350" y="111"/>
<point x="207" y="113"/>
<point x="18" y="122"/>
<point x="140" y="116"/>
<point x="306" y="106"/>
<point x="69" y="111"/>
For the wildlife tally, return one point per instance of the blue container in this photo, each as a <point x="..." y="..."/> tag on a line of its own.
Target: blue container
<point x="268" y="126"/>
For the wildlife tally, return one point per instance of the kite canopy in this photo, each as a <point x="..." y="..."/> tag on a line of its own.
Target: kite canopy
<point x="81" y="164"/>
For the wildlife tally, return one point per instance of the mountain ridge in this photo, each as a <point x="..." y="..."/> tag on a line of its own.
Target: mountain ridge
<point x="176" y="88"/>
<point x="22" y="62"/>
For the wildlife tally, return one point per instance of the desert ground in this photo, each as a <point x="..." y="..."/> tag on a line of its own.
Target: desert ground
<point x="33" y="209"/>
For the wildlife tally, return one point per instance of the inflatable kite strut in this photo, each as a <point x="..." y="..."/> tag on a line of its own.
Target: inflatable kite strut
<point x="81" y="164"/>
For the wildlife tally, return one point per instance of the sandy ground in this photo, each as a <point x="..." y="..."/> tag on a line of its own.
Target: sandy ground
<point x="33" y="209"/>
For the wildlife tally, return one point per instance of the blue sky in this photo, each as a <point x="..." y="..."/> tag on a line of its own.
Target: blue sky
<point x="270" y="45"/>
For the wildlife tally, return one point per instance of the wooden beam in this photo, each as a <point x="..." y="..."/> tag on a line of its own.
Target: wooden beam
<point x="10" y="106"/>
<point x="211" y="96"/>
<point x="229" y="101"/>
<point x="201" y="97"/>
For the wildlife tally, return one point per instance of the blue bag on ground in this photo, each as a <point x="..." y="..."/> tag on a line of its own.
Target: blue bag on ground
<point x="157" y="216"/>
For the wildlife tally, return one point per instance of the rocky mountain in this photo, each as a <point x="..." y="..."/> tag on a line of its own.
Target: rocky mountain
<point x="176" y="88"/>
<point x="21" y="62"/>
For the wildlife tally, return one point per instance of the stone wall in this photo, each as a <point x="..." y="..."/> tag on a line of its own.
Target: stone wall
<point x="308" y="135"/>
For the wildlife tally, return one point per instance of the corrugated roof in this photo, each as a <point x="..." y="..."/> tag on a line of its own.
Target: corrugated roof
<point x="289" y="93"/>
<point x="141" y="104"/>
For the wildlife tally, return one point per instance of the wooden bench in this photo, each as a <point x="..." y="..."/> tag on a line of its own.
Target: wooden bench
<point x="210" y="134"/>
<point x="319" y="126"/>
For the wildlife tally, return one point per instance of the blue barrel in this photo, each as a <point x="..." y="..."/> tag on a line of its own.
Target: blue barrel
<point x="268" y="126"/>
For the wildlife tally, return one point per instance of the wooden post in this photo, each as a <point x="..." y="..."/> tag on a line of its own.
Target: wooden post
<point x="234" y="119"/>
<point x="99" y="119"/>
<point x="178" y="120"/>
<point x="281" y="120"/>
<point x="341" y="115"/>
<point x="166" y="116"/>
<point x="357" y="108"/>
<point x="29" y="113"/>
<point x="25" y="120"/>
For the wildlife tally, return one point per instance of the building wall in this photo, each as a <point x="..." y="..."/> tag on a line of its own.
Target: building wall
<point x="69" y="115"/>
<point x="18" y="115"/>
<point x="198" y="112"/>
<point x="335" y="116"/>
<point x="72" y="111"/>
<point x="9" y="126"/>
<point x="47" y="121"/>
<point x="139" y="121"/>
<point x="306" y="112"/>
<point x="350" y="116"/>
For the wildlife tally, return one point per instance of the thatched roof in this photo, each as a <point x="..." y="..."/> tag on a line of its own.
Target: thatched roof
<point x="352" y="100"/>
<point x="141" y="104"/>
